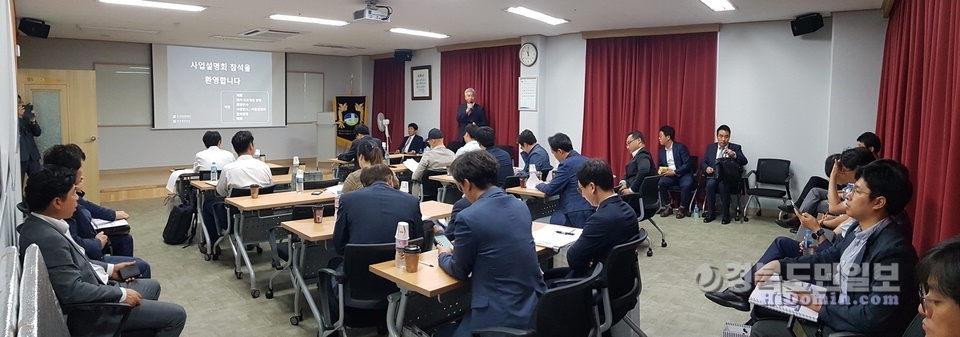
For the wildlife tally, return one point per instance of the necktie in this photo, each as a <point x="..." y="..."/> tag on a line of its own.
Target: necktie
<point x="406" y="148"/>
<point x="723" y="151"/>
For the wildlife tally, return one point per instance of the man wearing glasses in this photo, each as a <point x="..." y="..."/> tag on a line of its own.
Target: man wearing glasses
<point x="939" y="283"/>
<point x="870" y="271"/>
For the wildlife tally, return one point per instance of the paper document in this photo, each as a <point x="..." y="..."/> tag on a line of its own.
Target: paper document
<point x="211" y="182"/>
<point x="334" y="189"/>
<point x="781" y="296"/>
<point x="103" y="224"/>
<point x="556" y="236"/>
<point x="411" y="164"/>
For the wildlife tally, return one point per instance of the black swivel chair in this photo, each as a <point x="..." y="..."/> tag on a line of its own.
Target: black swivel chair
<point x="775" y="172"/>
<point x="620" y="284"/>
<point x="361" y="296"/>
<point x="565" y="311"/>
<point x="429" y="188"/>
<point x="646" y="205"/>
<point x="315" y="185"/>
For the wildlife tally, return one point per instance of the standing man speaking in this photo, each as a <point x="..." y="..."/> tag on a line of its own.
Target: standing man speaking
<point x="470" y="113"/>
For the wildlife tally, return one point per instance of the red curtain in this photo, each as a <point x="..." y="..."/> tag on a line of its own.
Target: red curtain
<point x="388" y="81"/>
<point x="494" y="72"/>
<point x="643" y="83"/>
<point x="918" y="114"/>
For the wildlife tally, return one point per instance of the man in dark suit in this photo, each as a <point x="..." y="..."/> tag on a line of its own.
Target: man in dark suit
<point x="28" y="129"/>
<point x="485" y="137"/>
<point x="51" y="197"/>
<point x="412" y="143"/>
<point x="470" y="113"/>
<point x="370" y="215"/>
<point x="680" y="170"/>
<point x="362" y="133"/>
<point x="613" y="223"/>
<point x="573" y="210"/>
<point x="532" y="154"/>
<point x="494" y="249"/>
<point x="723" y="148"/>
<point x="640" y="165"/>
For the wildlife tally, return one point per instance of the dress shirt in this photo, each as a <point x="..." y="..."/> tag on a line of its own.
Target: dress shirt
<point x="244" y="172"/>
<point x="469" y="146"/>
<point x="720" y="151"/>
<point x="853" y="253"/>
<point x="671" y="163"/>
<point x="406" y="147"/>
<point x="214" y="154"/>
<point x="63" y="227"/>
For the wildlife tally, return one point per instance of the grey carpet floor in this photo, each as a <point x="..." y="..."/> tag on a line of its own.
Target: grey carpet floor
<point x="672" y="301"/>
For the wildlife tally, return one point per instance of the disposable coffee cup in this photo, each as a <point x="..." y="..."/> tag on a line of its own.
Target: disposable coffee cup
<point x="254" y="191"/>
<point x="318" y="214"/>
<point x="411" y="256"/>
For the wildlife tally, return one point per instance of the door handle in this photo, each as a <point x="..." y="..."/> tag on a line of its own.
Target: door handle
<point x="92" y="139"/>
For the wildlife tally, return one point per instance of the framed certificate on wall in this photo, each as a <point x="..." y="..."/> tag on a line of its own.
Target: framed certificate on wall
<point x="421" y="85"/>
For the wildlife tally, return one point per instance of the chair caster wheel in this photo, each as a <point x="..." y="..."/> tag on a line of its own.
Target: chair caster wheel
<point x="207" y="257"/>
<point x="758" y="213"/>
<point x="259" y="250"/>
<point x="294" y="320"/>
<point x="746" y="219"/>
<point x="269" y="294"/>
<point x="216" y="257"/>
<point x="649" y="252"/>
<point x="663" y="244"/>
<point x="238" y="274"/>
<point x="255" y="293"/>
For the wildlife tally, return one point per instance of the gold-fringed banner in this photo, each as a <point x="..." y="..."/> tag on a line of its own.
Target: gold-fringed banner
<point x="351" y="111"/>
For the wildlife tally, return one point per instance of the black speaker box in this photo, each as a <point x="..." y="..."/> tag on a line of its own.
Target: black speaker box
<point x="403" y="55"/>
<point x="34" y="27"/>
<point x="806" y="24"/>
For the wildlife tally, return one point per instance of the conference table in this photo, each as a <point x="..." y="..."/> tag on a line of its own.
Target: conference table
<point x="316" y="237"/>
<point x="430" y="281"/>
<point x="446" y="180"/>
<point x="526" y="193"/>
<point x="257" y="231"/>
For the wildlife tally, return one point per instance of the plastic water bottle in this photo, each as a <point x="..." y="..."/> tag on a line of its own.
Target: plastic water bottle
<point x="808" y="243"/>
<point x="299" y="181"/>
<point x="214" y="175"/>
<point x="696" y="211"/>
<point x="402" y="237"/>
<point x="336" y="204"/>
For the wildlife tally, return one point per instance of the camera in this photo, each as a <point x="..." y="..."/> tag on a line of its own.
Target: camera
<point x="28" y="111"/>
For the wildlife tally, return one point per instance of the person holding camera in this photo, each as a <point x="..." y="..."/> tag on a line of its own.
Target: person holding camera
<point x="28" y="129"/>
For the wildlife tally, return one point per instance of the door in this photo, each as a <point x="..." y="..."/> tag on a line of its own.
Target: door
<point x="66" y="105"/>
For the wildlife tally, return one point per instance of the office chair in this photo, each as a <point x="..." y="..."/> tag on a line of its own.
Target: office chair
<point x="770" y="172"/>
<point x="620" y="284"/>
<point x="361" y="296"/>
<point x="429" y="188"/>
<point x="316" y="185"/>
<point x="737" y="190"/>
<point x="565" y="311"/>
<point x="693" y="192"/>
<point x="646" y="206"/>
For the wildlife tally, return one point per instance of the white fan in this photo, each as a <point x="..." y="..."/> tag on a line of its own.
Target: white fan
<point x="383" y="124"/>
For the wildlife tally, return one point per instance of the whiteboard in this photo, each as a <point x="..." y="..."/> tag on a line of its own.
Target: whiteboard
<point x="124" y="94"/>
<point x="304" y="97"/>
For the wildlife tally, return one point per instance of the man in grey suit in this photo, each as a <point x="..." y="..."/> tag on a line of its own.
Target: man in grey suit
<point x="51" y="197"/>
<point x="494" y="248"/>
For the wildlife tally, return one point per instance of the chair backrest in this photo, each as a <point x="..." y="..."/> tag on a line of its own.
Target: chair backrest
<point x="455" y="145"/>
<point x="245" y="191"/>
<point x="569" y="310"/>
<point x="650" y="195"/>
<point x="773" y="171"/>
<point x="510" y="150"/>
<point x="621" y="278"/>
<point x="300" y="212"/>
<point x="314" y="185"/>
<point x="428" y="187"/>
<point x="23" y="208"/>
<point x="511" y="181"/>
<point x="695" y="160"/>
<point x="544" y="174"/>
<point x="204" y="174"/>
<point x="40" y="313"/>
<point x="10" y="291"/>
<point x="280" y="170"/>
<point x="362" y="289"/>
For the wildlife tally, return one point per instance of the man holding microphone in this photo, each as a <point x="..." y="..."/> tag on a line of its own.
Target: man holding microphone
<point x="470" y="113"/>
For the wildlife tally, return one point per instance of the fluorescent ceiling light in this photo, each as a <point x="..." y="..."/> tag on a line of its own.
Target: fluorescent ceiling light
<point x="418" y="33"/>
<point x="519" y="10"/>
<point x="719" y="5"/>
<point x="156" y="4"/>
<point x="308" y="19"/>
<point x="118" y="29"/>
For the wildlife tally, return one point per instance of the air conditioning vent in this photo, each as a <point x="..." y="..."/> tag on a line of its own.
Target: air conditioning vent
<point x="338" y="47"/>
<point x="242" y="38"/>
<point x="271" y="34"/>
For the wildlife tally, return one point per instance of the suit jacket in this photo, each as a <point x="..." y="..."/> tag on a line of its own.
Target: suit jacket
<point x="28" y="144"/>
<point x="681" y="157"/>
<point x="888" y="247"/>
<point x="710" y="157"/>
<point x="505" y="168"/>
<point x="572" y="205"/>
<point x="477" y="115"/>
<point x="370" y="215"/>
<point x="73" y="279"/>
<point x="537" y="157"/>
<point x="416" y="145"/>
<point x="81" y="226"/>
<point x="495" y="249"/>
<point x="458" y="206"/>
<point x="613" y="223"/>
<point x="639" y="167"/>
<point x="351" y="154"/>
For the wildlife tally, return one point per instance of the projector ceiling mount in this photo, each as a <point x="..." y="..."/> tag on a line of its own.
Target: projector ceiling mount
<point x="373" y="13"/>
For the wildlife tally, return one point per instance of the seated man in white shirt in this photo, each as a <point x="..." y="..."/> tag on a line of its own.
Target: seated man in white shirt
<point x="471" y="142"/>
<point x="243" y="173"/>
<point x="213" y="154"/>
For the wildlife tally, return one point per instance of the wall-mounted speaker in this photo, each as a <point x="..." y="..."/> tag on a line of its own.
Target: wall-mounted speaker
<point x="403" y="55"/>
<point x="34" y="27"/>
<point x="806" y="24"/>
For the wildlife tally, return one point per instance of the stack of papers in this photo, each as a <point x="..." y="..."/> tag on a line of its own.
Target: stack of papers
<point x="781" y="296"/>
<point x="104" y="224"/>
<point x="411" y="164"/>
<point x="335" y="189"/>
<point x="556" y="237"/>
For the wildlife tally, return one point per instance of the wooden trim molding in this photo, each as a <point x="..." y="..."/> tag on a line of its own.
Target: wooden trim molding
<point x="602" y="34"/>
<point x="887" y="6"/>
<point x="480" y="44"/>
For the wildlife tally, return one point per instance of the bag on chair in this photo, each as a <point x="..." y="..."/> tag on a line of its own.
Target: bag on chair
<point x="180" y="225"/>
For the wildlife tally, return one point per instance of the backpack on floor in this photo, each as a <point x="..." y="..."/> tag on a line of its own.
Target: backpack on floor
<point x="180" y="225"/>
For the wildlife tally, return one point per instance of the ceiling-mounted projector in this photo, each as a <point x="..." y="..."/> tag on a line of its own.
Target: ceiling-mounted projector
<point x="373" y="13"/>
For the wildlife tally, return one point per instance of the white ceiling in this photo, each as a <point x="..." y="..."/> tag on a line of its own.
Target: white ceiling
<point x="464" y="21"/>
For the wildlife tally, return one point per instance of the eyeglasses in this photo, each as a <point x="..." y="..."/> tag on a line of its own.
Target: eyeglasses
<point x="924" y="299"/>
<point x="632" y="140"/>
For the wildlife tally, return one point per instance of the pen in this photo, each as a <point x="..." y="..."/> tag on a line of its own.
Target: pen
<point x="426" y="264"/>
<point x="565" y="233"/>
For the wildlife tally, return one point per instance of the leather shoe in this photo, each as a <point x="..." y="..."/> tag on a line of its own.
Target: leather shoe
<point x="786" y="208"/>
<point x="730" y="298"/>
<point x="789" y="223"/>
<point x="794" y="230"/>
<point x="666" y="211"/>
<point x="709" y="218"/>
<point x="681" y="213"/>
<point x="726" y="220"/>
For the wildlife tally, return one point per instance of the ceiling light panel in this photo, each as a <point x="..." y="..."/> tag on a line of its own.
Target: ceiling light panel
<point x="155" y="4"/>
<point x="418" y="33"/>
<point x="719" y="5"/>
<point x="307" y="19"/>
<point x="523" y="11"/>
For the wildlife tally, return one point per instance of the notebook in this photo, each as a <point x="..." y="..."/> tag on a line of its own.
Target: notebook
<point x="780" y="296"/>
<point x="119" y="227"/>
<point x="552" y="237"/>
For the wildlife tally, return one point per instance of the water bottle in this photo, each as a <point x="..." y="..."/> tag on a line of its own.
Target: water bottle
<point x="293" y="169"/>
<point x="213" y="172"/>
<point x="336" y="204"/>
<point x="299" y="181"/>
<point x="808" y="243"/>
<point x="696" y="211"/>
<point x="402" y="237"/>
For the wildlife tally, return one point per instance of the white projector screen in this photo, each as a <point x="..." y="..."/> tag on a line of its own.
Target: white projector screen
<point x="207" y="88"/>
